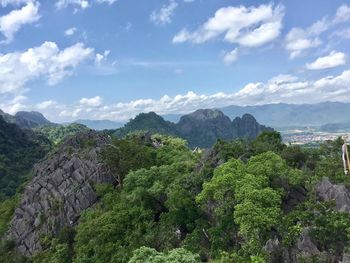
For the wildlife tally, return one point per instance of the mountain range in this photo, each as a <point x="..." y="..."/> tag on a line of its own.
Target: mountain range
<point x="288" y="115"/>
<point x="201" y="128"/>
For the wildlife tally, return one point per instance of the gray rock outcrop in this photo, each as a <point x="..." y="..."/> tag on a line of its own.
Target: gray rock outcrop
<point x="337" y="192"/>
<point x="62" y="187"/>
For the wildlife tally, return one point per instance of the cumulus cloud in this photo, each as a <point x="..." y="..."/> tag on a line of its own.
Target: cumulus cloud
<point x="282" y="88"/>
<point x="13" y="21"/>
<point x="245" y="26"/>
<point x="47" y="60"/>
<point x="334" y="59"/>
<point x="92" y="102"/>
<point x="45" y="104"/>
<point x="164" y="15"/>
<point x="299" y="40"/>
<point x="70" y="31"/>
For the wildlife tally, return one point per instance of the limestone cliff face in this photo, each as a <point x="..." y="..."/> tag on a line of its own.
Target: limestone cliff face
<point x="62" y="187"/>
<point x="203" y="127"/>
<point x="338" y="193"/>
<point x="247" y="127"/>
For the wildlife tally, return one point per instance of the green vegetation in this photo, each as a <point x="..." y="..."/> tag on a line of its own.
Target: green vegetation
<point x="58" y="132"/>
<point x="150" y="122"/>
<point x="173" y="204"/>
<point x="19" y="150"/>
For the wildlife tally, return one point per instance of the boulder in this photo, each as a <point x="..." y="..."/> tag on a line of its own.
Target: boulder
<point x="327" y="191"/>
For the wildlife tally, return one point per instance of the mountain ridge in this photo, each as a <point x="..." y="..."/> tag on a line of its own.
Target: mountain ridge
<point x="201" y="128"/>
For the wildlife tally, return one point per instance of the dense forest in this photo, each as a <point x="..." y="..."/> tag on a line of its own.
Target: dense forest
<point x="240" y="201"/>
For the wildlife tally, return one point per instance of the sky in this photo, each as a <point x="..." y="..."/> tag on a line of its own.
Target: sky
<point x="112" y="59"/>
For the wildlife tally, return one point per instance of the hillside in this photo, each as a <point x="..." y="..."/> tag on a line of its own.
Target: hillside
<point x="58" y="133"/>
<point x="201" y="128"/>
<point x="152" y="199"/>
<point x="19" y="150"/>
<point x="150" y="122"/>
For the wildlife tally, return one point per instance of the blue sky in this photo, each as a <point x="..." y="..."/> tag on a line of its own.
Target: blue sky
<point x="111" y="59"/>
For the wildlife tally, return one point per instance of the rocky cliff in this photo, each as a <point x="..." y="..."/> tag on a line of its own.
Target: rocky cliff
<point x="62" y="187"/>
<point x="201" y="128"/>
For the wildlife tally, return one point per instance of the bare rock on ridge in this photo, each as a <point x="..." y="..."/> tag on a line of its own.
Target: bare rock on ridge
<point x="62" y="187"/>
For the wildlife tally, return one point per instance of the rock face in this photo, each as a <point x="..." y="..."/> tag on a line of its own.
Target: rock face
<point x="62" y="188"/>
<point x="201" y="128"/>
<point x="247" y="127"/>
<point x="204" y="127"/>
<point x="339" y="193"/>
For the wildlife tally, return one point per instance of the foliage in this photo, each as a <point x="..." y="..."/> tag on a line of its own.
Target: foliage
<point x="19" y="150"/>
<point x="150" y="255"/>
<point x="57" y="133"/>
<point x="178" y="205"/>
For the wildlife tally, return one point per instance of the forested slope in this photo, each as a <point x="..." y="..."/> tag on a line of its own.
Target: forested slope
<point x="241" y="201"/>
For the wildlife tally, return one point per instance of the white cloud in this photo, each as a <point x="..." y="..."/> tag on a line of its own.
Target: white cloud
<point x="14" y="2"/>
<point x="343" y="33"/>
<point x="13" y="21"/>
<point x="245" y="26"/>
<point x="231" y="56"/>
<point x="164" y="15"/>
<point x="281" y="88"/>
<point x="99" y="58"/>
<point x="70" y="31"/>
<point x="92" y="102"/>
<point x="47" y="60"/>
<point x="82" y="4"/>
<point x="298" y="41"/>
<point x="64" y="3"/>
<point x="106" y="1"/>
<point x="45" y="104"/>
<point x="334" y="59"/>
<point x="342" y="15"/>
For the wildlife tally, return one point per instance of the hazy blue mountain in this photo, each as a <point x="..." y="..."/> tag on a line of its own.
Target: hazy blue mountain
<point x="100" y="125"/>
<point x="336" y="127"/>
<point x="288" y="115"/>
<point x="284" y="115"/>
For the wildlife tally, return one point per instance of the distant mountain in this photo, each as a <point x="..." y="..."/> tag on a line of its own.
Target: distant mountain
<point x="32" y="119"/>
<point x="201" y="128"/>
<point x="336" y="127"/>
<point x="100" y="125"/>
<point x="286" y="115"/>
<point x="147" y="122"/>
<point x="26" y="119"/>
